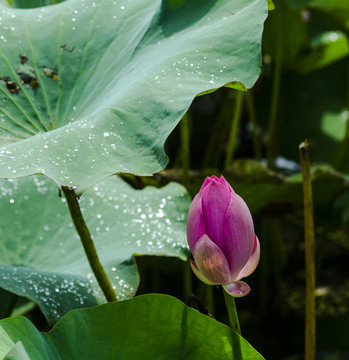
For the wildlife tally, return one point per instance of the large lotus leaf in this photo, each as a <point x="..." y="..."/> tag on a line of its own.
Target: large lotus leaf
<point x="146" y="327"/>
<point x="42" y="257"/>
<point x="92" y="88"/>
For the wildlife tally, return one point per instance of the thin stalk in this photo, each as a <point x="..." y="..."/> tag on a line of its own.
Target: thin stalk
<point x="253" y="120"/>
<point x="234" y="129"/>
<point x="88" y="244"/>
<point x="343" y="147"/>
<point x="310" y="312"/>
<point x="213" y="148"/>
<point x="185" y="152"/>
<point x="232" y="313"/>
<point x="187" y="279"/>
<point x="274" y="105"/>
<point x="210" y="298"/>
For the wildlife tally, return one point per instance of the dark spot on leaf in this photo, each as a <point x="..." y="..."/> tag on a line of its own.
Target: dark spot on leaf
<point x="11" y="86"/>
<point x="23" y="58"/>
<point x="50" y="73"/>
<point x="28" y="76"/>
<point x="60" y="86"/>
<point x="64" y="47"/>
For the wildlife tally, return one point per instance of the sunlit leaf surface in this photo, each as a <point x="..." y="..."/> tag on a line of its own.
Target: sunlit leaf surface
<point x="146" y="327"/>
<point x="42" y="257"/>
<point x="91" y="88"/>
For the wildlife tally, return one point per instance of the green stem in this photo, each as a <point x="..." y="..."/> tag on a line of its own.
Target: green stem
<point x="185" y="154"/>
<point x="88" y="244"/>
<point x="343" y="147"/>
<point x="234" y="129"/>
<point x="187" y="279"/>
<point x="209" y="296"/>
<point x="213" y="148"/>
<point x="310" y="312"/>
<point x="272" y="126"/>
<point x="253" y="120"/>
<point x="232" y="313"/>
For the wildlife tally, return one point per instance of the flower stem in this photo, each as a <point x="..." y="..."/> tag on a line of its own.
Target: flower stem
<point x="272" y="136"/>
<point x="88" y="244"/>
<point x="343" y="147"/>
<point x="232" y="313"/>
<point x="187" y="279"/>
<point x="253" y="120"/>
<point x="310" y="312"/>
<point x="185" y="149"/>
<point x="234" y="129"/>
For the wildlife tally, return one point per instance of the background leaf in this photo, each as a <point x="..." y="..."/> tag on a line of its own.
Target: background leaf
<point x="17" y="353"/>
<point x="148" y="326"/>
<point x="100" y="89"/>
<point x="42" y="257"/>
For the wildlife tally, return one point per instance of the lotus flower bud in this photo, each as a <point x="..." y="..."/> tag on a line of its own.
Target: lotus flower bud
<point x="221" y="237"/>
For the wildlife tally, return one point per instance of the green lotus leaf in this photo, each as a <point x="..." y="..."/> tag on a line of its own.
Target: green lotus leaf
<point x="145" y="327"/>
<point x="41" y="254"/>
<point x="92" y="88"/>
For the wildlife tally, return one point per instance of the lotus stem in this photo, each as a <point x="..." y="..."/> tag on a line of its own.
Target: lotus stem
<point x="343" y="148"/>
<point x="274" y="106"/>
<point x="232" y="312"/>
<point x="87" y="242"/>
<point x="185" y="150"/>
<point x="234" y="129"/>
<point x="187" y="279"/>
<point x="253" y="120"/>
<point x="310" y="311"/>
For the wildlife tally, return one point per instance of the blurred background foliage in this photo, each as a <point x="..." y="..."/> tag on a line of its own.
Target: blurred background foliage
<point x="252" y="138"/>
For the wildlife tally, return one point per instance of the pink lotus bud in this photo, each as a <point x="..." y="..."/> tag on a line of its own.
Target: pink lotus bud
<point x="221" y="237"/>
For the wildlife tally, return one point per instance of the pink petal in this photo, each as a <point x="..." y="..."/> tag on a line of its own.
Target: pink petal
<point x="215" y="202"/>
<point x="239" y="235"/>
<point x="195" y="222"/>
<point x="225" y="183"/>
<point x="237" y="288"/>
<point x="211" y="261"/>
<point x="252" y="262"/>
<point x="208" y="180"/>
<point x="199" y="275"/>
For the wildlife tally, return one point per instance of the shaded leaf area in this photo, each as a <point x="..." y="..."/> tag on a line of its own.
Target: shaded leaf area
<point x="308" y="42"/>
<point x="42" y="257"/>
<point x="99" y="90"/>
<point x="28" y="4"/>
<point x="313" y="107"/>
<point x="327" y="48"/>
<point x="148" y="326"/>
<point x="337" y="10"/>
<point x="13" y="305"/>
<point x="313" y="101"/>
<point x="317" y="112"/>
